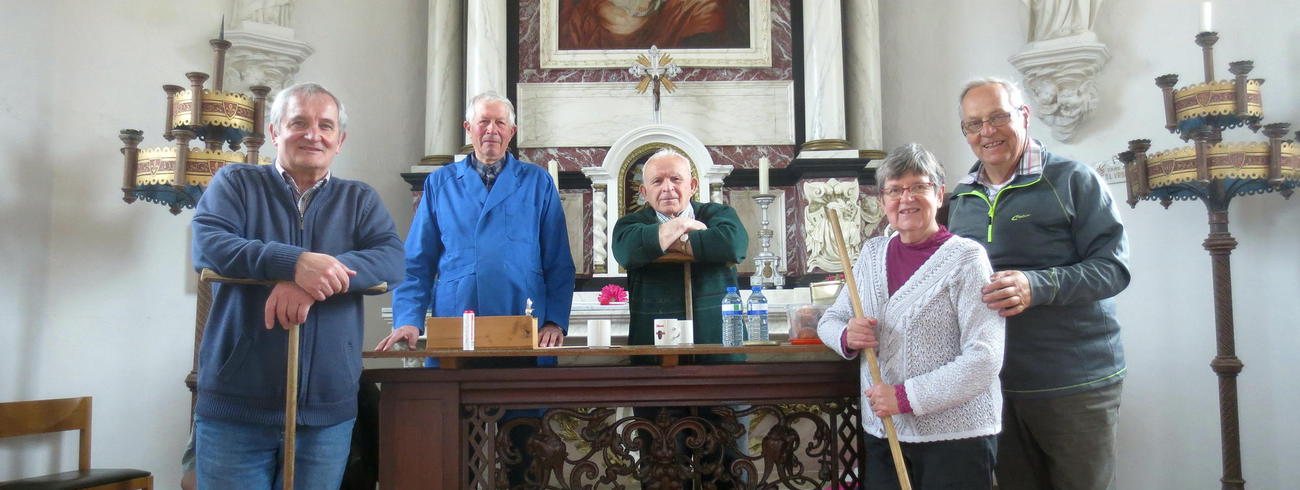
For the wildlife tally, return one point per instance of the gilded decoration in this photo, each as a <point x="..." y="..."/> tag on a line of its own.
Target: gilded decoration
<point x="629" y="176"/>
<point x="1218" y="98"/>
<point x="158" y="165"/>
<point x="1225" y="161"/>
<point x="225" y="109"/>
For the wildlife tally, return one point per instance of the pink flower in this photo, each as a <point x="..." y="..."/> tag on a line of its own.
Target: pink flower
<point x="612" y="293"/>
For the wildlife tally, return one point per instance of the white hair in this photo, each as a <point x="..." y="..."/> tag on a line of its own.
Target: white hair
<point x="471" y="110"/>
<point x="1014" y="95"/>
<point x="303" y="89"/>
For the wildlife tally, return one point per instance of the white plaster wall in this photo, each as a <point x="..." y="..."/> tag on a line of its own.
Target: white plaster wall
<point x="98" y="296"/>
<point x="1169" y="435"/>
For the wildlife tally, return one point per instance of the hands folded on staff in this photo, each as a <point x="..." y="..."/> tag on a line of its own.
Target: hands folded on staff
<point x="1008" y="292"/>
<point x="549" y="335"/>
<point x="321" y="275"/>
<point x="671" y="234"/>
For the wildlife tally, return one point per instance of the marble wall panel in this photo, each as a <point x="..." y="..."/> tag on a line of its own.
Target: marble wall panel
<point x="570" y="159"/>
<point x="751" y="215"/>
<point x="747" y="156"/>
<point x="597" y="114"/>
<point x="577" y="213"/>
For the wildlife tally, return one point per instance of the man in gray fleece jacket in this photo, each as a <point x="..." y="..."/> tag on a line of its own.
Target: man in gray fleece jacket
<point x="1055" y="240"/>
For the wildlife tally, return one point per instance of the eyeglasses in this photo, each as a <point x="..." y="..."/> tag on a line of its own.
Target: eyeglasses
<point x="996" y="120"/>
<point x="896" y="193"/>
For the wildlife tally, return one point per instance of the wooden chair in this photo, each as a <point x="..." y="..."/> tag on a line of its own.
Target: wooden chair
<point x="45" y="416"/>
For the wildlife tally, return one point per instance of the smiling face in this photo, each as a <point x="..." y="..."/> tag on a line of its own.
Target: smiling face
<point x="999" y="147"/>
<point x="667" y="184"/>
<point x="911" y="212"/>
<point x="490" y="131"/>
<point x="308" y="135"/>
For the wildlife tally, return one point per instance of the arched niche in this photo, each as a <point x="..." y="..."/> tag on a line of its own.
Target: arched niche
<point x="620" y="161"/>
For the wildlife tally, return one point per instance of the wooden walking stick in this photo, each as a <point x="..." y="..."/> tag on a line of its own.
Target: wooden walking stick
<point x="290" y="373"/>
<point x="903" y="481"/>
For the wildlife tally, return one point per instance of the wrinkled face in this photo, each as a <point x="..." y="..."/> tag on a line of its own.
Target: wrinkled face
<point x="913" y="206"/>
<point x="308" y="135"/>
<point x="997" y="146"/>
<point x="667" y="184"/>
<point x="490" y="131"/>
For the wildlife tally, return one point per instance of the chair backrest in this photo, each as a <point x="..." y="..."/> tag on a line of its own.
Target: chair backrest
<point x="44" y="416"/>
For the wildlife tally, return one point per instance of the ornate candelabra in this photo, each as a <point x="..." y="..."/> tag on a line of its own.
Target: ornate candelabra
<point x="1214" y="172"/>
<point x="766" y="264"/>
<point x="176" y="175"/>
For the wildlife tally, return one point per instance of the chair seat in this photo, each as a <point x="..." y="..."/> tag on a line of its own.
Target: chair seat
<point x="74" y="479"/>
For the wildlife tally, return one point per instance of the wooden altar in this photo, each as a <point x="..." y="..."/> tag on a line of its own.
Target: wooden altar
<point x="442" y="428"/>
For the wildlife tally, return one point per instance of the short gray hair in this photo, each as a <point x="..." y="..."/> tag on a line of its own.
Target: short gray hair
<point x="909" y="159"/>
<point x="471" y="109"/>
<point x="1014" y="95"/>
<point x="662" y="154"/>
<point x="303" y="89"/>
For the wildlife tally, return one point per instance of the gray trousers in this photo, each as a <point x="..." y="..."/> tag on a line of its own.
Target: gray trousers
<point x="1060" y="443"/>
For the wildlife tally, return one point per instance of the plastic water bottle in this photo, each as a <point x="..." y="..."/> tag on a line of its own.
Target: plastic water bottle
<point x="733" y="323"/>
<point x="756" y="321"/>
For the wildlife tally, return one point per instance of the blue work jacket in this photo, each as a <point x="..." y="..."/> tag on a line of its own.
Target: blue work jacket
<point x="470" y="248"/>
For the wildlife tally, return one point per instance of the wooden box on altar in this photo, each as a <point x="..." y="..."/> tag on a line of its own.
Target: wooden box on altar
<point x="490" y="332"/>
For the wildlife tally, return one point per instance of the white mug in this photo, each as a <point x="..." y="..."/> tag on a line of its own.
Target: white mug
<point x="666" y="332"/>
<point x="685" y="332"/>
<point x="598" y="333"/>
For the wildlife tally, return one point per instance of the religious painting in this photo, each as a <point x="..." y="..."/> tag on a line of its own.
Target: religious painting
<point x="698" y="33"/>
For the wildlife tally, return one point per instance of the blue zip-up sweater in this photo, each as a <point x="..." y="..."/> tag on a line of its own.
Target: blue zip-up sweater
<point x="247" y="225"/>
<point x="1062" y="229"/>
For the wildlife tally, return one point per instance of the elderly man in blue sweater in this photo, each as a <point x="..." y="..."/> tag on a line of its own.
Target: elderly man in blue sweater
<point x="323" y="240"/>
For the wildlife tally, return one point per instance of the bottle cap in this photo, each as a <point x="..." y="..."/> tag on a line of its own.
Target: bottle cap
<point x="469" y="311"/>
<point x="731" y="289"/>
<point x="756" y="288"/>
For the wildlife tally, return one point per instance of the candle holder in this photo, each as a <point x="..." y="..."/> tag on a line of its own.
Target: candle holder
<point x="175" y="176"/>
<point x="1214" y="172"/>
<point x="766" y="264"/>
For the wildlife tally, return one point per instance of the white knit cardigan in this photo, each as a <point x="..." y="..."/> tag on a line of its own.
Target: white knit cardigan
<point x="936" y="337"/>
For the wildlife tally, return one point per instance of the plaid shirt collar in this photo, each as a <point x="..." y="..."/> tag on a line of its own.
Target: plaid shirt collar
<point x="301" y="198"/>
<point x="688" y="212"/>
<point x="488" y="173"/>
<point x="1031" y="163"/>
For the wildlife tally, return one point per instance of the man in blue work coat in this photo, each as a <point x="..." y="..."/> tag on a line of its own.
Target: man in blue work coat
<point x="488" y="235"/>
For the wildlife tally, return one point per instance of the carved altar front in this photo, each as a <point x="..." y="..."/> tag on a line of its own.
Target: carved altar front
<point x="783" y="424"/>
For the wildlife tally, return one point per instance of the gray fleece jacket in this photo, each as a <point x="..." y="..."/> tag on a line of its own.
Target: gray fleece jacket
<point x="1062" y="229"/>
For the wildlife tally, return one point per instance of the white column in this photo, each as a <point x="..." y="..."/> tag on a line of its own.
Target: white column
<point x="485" y="48"/>
<point x="444" y="101"/>
<point x="823" y="58"/>
<point x="862" y="75"/>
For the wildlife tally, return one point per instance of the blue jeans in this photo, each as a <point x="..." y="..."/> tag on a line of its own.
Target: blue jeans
<point x="237" y="455"/>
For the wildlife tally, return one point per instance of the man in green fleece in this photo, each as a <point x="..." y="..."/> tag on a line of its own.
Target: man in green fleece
<point x="1060" y="255"/>
<point x="709" y="232"/>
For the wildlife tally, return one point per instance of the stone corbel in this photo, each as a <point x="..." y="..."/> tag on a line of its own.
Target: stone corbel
<point x="1059" y="79"/>
<point x="263" y="55"/>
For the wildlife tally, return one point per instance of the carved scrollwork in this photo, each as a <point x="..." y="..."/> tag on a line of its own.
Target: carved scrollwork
<point x="820" y="240"/>
<point x="761" y="446"/>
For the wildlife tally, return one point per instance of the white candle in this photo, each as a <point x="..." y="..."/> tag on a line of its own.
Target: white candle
<point x="1205" y="17"/>
<point x="554" y="168"/>
<point x="762" y="175"/>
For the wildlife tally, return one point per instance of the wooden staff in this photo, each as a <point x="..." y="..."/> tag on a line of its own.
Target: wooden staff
<point x="290" y="372"/>
<point x="903" y="481"/>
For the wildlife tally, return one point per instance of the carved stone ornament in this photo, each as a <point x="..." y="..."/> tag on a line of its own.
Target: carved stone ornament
<point x="820" y="239"/>
<point x="1059" y="79"/>
<point x="256" y="58"/>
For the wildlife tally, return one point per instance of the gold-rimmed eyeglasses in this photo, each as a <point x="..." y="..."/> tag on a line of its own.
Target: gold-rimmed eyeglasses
<point x="896" y="192"/>
<point x="996" y="120"/>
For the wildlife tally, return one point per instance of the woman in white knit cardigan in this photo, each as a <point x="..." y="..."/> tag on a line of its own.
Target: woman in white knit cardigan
<point x="940" y="348"/>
